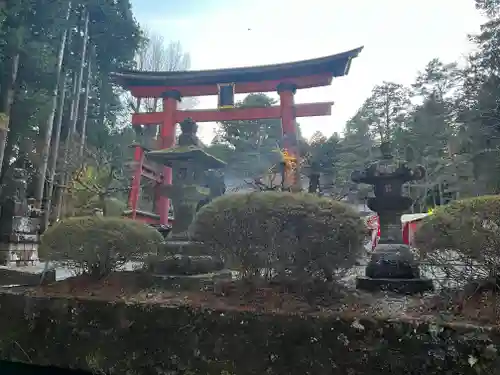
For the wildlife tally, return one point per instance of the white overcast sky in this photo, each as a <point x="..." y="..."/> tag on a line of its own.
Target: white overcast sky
<point x="399" y="38"/>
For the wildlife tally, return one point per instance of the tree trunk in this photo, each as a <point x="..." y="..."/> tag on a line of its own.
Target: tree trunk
<point x="45" y="151"/>
<point x="74" y="116"/>
<point x="102" y="100"/>
<point x="57" y="138"/>
<point x="12" y="141"/>
<point x="61" y="168"/>
<point x="102" y="204"/>
<point x="55" y="152"/>
<point x="7" y="99"/>
<point x="15" y="39"/>
<point x="86" y="101"/>
<point x="440" y="190"/>
<point x="79" y="82"/>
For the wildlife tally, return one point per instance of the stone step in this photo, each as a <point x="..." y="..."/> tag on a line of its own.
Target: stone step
<point x="26" y="275"/>
<point x="198" y="282"/>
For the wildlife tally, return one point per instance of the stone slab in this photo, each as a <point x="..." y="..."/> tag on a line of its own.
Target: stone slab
<point x="18" y="253"/>
<point x="402" y="286"/>
<point x="204" y="281"/>
<point x="179" y="264"/>
<point x="183" y="247"/>
<point x="392" y="261"/>
<point x="30" y="275"/>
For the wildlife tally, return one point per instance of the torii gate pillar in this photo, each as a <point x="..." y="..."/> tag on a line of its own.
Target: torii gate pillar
<point x="167" y="135"/>
<point x="286" y="92"/>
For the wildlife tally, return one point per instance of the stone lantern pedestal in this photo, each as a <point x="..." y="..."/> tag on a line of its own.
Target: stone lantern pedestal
<point x="19" y="225"/>
<point x="392" y="266"/>
<point x="20" y="236"/>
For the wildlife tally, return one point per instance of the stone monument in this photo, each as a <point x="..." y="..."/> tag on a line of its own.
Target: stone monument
<point x="392" y="265"/>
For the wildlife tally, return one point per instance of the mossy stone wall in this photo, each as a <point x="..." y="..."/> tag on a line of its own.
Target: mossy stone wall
<point x="129" y="339"/>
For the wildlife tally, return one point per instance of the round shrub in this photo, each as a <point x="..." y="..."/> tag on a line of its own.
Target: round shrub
<point x="463" y="239"/>
<point x="280" y="234"/>
<point x="97" y="245"/>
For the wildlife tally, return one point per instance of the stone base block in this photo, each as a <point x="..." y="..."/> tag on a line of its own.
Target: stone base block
<point x="402" y="286"/>
<point x="186" y="265"/>
<point x="26" y="276"/>
<point x="178" y="236"/>
<point x="19" y="254"/>
<point x="392" y="261"/>
<point x="163" y="229"/>
<point x="194" y="282"/>
<point x="183" y="247"/>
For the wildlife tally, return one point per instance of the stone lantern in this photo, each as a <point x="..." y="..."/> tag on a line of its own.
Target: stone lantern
<point x="190" y="164"/>
<point x="197" y="178"/>
<point x="392" y="265"/>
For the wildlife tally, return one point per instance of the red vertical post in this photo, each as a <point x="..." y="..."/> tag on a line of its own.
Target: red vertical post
<point x="167" y="140"/>
<point x="286" y="92"/>
<point x="136" y="179"/>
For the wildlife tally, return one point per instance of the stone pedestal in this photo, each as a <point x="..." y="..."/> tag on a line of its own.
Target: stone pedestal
<point x="20" y="224"/>
<point x="163" y="229"/>
<point x="185" y="265"/>
<point x="198" y="282"/>
<point x="185" y="272"/>
<point x="26" y="275"/>
<point x="392" y="267"/>
<point x="184" y="247"/>
<point x="19" y="241"/>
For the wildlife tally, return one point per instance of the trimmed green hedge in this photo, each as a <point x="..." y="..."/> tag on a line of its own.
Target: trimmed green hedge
<point x="293" y="234"/>
<point x="97" y="245"/>
<point x="466" y="230"/>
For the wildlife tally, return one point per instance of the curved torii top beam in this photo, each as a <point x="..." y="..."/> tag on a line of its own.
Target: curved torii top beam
<point x="303" y="74"/>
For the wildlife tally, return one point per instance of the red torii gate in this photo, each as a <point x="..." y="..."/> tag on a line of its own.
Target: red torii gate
<point x="173" y="86"/>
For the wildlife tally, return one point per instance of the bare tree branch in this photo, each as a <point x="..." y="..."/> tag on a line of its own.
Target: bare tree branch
<point x="157" y="55"/>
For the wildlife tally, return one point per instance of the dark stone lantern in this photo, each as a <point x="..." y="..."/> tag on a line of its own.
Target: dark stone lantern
<point x="392" y="265"/>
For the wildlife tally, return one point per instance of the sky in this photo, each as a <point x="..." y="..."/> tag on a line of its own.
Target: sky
<point x="399" y="38"/>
